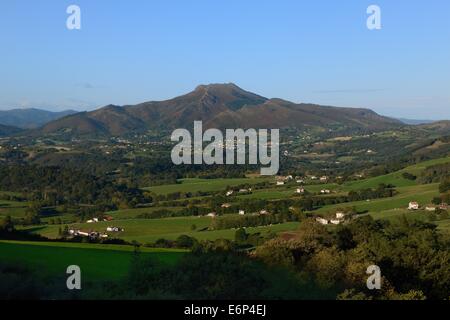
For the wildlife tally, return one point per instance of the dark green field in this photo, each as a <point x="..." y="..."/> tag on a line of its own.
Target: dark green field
<point x="97" y="262"/>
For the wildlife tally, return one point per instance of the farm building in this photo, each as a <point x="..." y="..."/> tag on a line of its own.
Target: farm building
<point x="90" y="234"/>
<point x="321" y="220"/>
<point x="413" y="206"/>
<point x="335" y="221"/>
<point x="114" y="229"/>
<point x="340" y="215"/>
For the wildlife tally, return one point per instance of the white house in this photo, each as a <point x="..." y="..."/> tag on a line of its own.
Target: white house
<point x="241" y="212"/>
<point x="300" y="190"/>
<point x="321" y="220"/>
<point x="114" y="229"/>
<point x="430" y="208"/>
<point x="413" y="205"/>
<point x="212" y="214"/>
<point x="335" y="221"/>
<point x="225" y="205"/>
<point x="340" y="215"/>
<point x="323" y="178"/>
<point x="229" y="193"/>
<point x="300" y="181"/>
<point x="280" y="183"/>
<point x="263" y="212"/>
<point x="325" y="191"/>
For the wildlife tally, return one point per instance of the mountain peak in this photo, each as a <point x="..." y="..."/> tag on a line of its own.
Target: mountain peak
<point x="228" y="94"/>
<point x="218" y="86"/>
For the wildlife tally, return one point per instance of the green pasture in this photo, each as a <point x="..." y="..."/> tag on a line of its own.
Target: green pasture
<point x="97" y="262"/>
<point x="205" y="185"/>
<point x="420" y="193"/>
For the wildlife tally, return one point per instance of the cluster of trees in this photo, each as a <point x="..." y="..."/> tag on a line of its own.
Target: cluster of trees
<point x="242" y="239"/>
<point x="435" y="173"/>
<point x="60" y="185"/>
<point x="382" y="191"/>
<point x="444" y="186"/>
<point x="414" y="258"/>
<point x="9" y="232"/>
<point x="409" y="176"/>
<point x="229" y="222"/>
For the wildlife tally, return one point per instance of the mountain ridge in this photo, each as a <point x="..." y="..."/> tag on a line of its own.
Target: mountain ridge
<point x="8" y="130"/>
<point x="220" y="106"/>
<point x="30" y="118"/>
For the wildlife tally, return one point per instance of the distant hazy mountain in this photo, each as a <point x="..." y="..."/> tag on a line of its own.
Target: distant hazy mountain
<point x="220" y="106"/>
<point x="438" y="127"/>
<point x="415" y="121"/>
<point x="8" y="130"/>
<point x="30" y="118"/>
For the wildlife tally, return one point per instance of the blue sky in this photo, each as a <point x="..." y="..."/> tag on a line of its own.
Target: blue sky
<point x="305" y="51"/>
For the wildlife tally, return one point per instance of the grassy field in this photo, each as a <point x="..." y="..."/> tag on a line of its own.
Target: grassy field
<point x="150" y="230"/>
<point x="14" y="209"/>
<point x="395" y="178"/>
<point x="205" y="185"/>
<point x="97" y="262"/>
<point x="134" y="213"/>
<point x="420" y="193"/>
<point x="397" y="213"/>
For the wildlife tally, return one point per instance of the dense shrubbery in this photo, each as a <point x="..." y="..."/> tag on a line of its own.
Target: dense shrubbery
<point x="436" y="173"/>
<point x="414" y="258"/>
